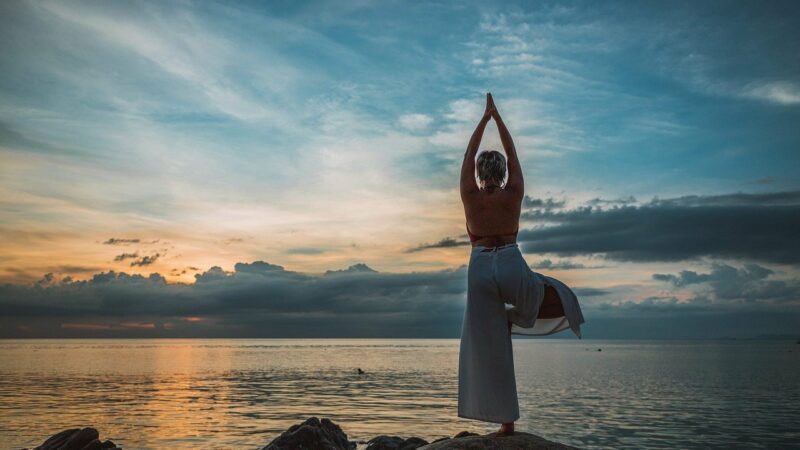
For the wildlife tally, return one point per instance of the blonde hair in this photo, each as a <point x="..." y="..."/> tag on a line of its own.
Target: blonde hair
<point x="491" y="166"/>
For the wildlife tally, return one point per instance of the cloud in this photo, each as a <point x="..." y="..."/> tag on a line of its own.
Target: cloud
<point x="545" y="204"/>
<point x="145" y="260"/>
<point x="590" y="292"/>
<point x="415" y="122"/>
<point x="185" y="51"/>
<point x="780" y="92"/>
<point x="257" y="267"/>
<point x="116" y="241"/>
<point x="257" y="298"/>
<point x="444" y="243"/>
<point x="124" y="256"/>
<point x="560" y="265"/>
<point x="749" y="283"/>
<point x="741" y="226"/>
<point x="683" y="278"/>
<point x="260" y="299"/>
<point x="618" y="201"/>
<point x="359" y="268"/>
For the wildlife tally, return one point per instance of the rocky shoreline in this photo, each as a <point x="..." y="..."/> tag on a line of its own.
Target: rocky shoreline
<point x="323" y="434"/>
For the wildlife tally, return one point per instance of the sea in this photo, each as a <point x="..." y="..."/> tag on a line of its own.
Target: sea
<point x="242" y="393"/>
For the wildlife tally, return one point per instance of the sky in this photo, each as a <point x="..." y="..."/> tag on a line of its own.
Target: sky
<point x="290" y="169"/>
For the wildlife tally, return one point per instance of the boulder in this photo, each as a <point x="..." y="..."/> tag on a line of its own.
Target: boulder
<point x="76" y="439"/>
<point x="395" y="443"/>
<point x="465" y="434"/>
<point x="313" y="434"/>
<point x="494" y="441"/>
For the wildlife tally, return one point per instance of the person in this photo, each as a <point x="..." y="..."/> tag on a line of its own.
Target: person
<point x="498" y="274"/>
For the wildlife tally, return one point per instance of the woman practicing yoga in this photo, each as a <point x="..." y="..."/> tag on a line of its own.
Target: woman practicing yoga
<point x="498" y="274"/>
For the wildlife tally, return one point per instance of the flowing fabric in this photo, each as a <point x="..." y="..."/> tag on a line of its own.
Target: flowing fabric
<point x="487" y="388"/>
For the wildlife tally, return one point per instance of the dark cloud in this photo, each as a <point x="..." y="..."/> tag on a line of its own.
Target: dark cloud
<point x="546" y="204"/>
<point x="255" y="299"/>
<point x="124" y="256"/>
<point x="749" y="283"/>
<point x="212" y="274"/>
<point x="259" y="299"/>
<point x="179" y="271"/>
<point x="683" y="278"/>
<point x="656" y="306"/>
<point x="116" y="241"/>
<point x="619" y="201"/>
<point x="444" y="243"/>
<point x="742" y="226"/>
<point x="559" y="265"/>
<point x="146" y="260"/>
<point x="257" y="267"/>
<point x="355" y="268"/>
<point x="784" y="198"/>
<point x="589" y="292"/>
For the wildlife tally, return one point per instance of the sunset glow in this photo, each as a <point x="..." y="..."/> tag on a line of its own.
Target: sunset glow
<point x="255" y="169"/>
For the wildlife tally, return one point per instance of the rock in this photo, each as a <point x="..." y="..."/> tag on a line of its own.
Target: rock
<point x="316" y="434"/>
<point x="495" y="441"/>
<point x="313" y="434"/>
<point x="395" y="443"/>
<point x="465" y="434"/>
<point x="76" y="439"/>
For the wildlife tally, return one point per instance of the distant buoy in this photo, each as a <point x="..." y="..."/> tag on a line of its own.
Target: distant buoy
<point x="599" y="349"/>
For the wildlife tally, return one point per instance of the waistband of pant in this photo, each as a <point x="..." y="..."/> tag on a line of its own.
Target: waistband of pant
<point x="481" y="248"/>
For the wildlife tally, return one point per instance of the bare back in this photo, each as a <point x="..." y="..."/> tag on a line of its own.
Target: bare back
<point x="493" y="216"/>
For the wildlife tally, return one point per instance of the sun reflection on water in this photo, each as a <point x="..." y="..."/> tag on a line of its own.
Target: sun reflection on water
<point x="242" y="393"/>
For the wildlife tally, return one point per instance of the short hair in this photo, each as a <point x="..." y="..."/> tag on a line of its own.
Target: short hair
<point x="491" y="166"/>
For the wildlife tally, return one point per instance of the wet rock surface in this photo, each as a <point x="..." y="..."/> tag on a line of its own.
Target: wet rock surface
<point x="494" y="441"/>
<point x="323" y="434"/>
<point x="76" y="439"/>
<point x="313" y="434"/>
<point x="395" y="443"/>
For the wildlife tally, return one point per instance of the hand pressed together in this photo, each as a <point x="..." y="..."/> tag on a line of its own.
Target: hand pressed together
<point x="491" y="110"/>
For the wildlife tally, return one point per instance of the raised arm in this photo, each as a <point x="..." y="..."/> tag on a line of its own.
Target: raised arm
<point x="515" y="182"/>
<point x="468" y="185"/>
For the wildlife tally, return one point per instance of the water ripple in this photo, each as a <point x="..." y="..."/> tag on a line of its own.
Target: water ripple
<point x="198" y="394"/>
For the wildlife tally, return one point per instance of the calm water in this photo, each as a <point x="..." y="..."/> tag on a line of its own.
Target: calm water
<point x="217" y="393"/>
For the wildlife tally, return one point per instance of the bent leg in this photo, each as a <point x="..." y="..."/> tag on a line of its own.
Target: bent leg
<point x="552" y="307"/>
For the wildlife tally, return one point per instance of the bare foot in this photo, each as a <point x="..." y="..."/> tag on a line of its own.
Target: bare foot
<point x="507" y="428"/>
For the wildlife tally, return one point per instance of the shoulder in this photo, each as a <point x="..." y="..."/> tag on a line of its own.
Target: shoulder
<point x="469" y="194"/>
<point x="514" y="192"/>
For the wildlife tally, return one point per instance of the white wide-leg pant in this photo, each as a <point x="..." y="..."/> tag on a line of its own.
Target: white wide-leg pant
<point x="487" y="388"/>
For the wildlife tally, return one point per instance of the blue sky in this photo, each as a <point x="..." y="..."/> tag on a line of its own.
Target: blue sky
<point x="172" y="138"/>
